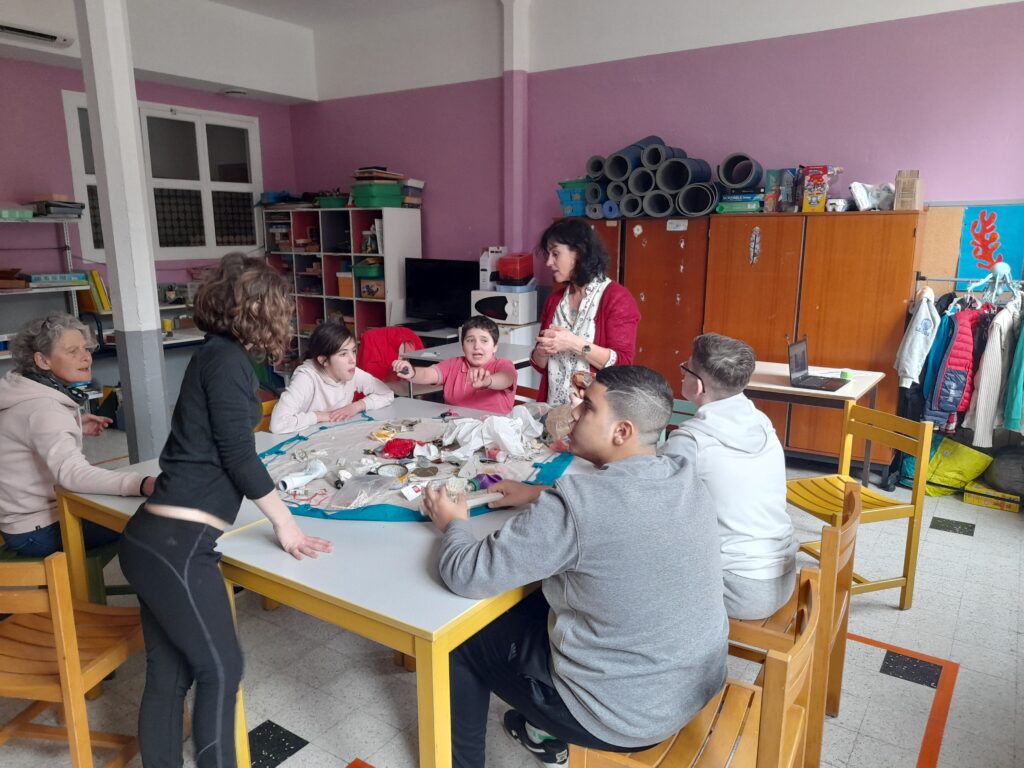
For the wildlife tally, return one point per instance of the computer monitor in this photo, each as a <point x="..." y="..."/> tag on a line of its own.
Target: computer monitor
<point x="438" y="290"/>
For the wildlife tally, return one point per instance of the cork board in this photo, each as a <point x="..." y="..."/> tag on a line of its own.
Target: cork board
<point x="940" y="250"/>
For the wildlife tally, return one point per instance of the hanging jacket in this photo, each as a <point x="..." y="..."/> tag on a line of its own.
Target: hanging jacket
<point x="1015" y="388"/>
<point x="954" y="383"/>
<point x="936" y="355"/>
<point x="986" y="410"/>
<point x="918" y="339"/>
<point x="378" y="349"/>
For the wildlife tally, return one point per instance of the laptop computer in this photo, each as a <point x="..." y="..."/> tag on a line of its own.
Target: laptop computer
<point x="798" y="376"/>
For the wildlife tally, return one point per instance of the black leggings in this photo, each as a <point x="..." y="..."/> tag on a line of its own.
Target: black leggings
<point x="190" y="637"/>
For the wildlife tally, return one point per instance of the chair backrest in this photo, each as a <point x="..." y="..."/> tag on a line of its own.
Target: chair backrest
<point x="788" y="676"/>
<point x="43" y="588"/>
<point x="379" y="347"/>
<point x="911" y="437"/>
<point x="837" y="550"/>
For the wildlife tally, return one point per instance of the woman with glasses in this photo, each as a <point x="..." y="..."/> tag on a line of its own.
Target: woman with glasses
<point x="41" y="428"/>
<point x="589" y="321"/>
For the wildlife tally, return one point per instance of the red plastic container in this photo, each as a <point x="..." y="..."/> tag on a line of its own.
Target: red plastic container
<point x="515" y="269"/>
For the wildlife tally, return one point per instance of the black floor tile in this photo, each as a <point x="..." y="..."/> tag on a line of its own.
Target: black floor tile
<point x="952" y="526"/>
<point x="270" y="744"/>
<point x="910" y="669"/>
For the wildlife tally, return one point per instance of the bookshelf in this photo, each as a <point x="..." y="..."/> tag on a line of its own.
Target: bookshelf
<point x="337" y="271"/>
<point x="21" y="304"/>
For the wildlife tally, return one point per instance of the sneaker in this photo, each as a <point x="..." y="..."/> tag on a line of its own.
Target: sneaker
<point x="550" y="752"/>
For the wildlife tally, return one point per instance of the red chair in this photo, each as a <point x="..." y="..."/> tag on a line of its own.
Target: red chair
<point x="379" y="348"/>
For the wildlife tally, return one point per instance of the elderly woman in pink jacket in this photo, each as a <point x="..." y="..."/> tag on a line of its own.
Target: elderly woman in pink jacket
<point x="41" y="428"/>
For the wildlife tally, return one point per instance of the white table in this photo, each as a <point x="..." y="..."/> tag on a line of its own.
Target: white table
<point x="381" y="581"/>
<point x="770" y="381"/>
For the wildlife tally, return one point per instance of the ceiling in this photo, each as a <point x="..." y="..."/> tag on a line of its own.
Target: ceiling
<point x="317" y="13"/>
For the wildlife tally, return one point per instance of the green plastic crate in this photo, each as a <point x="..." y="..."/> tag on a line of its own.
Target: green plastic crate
<point x="368" y="270"/>
<point x="574" y="183"/>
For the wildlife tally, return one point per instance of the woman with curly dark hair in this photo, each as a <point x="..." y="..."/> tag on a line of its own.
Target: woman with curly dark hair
<point x="589" y="321"/>
<point x="168" y="548"/>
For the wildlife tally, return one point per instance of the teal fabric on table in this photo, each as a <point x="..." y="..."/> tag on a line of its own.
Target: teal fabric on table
<point x="547" y="472"/>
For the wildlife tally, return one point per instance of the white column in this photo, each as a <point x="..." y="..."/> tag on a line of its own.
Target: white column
<point x="515" y="77"/>
<point x="117" y="149"/>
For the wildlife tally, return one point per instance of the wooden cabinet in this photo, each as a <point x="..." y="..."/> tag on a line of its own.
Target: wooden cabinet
<point x="753" y="287"/>
<point x="610" y="233"/>
<point x="858" y="277"/>
<point x="664" y="264"/>
<point x="842" y="280"/>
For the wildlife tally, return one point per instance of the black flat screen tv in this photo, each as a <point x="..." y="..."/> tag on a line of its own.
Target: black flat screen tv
<point x="438" y="290"/>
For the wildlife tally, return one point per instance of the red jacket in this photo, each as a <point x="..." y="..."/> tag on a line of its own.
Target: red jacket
<point x="615" y="325"/>
<point x="378" y="349"/>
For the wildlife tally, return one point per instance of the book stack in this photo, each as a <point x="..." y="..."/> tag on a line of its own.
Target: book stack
<point x="58" y="207"/>
<point x="377" y="187"/>
<point x="96" y="298"/>
<point x="741" y="202"/>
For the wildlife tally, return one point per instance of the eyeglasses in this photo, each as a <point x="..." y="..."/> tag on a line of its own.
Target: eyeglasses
<point x="690" y="372"/>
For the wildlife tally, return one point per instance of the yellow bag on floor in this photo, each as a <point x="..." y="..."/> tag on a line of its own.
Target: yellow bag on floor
<point x="952" y="466"/>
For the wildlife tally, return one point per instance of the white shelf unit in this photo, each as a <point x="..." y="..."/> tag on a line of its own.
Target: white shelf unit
<point x="337" y="233"/>
<point x="18" y="305"/>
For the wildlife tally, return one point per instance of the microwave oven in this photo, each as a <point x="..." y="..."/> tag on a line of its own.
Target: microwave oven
<point x="505" y="308"/>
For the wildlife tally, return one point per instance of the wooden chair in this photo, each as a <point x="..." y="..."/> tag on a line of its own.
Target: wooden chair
<point x="267" y="403"/>
<point x="778" y="631"/>
<point x="95" y="561"/>
<point x="823" y="496"/>
<point x="53" y="650"/>
<point x="743" y="725"/>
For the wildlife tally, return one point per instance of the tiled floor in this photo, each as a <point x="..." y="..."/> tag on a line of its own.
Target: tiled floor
<point x="345" y="698"/>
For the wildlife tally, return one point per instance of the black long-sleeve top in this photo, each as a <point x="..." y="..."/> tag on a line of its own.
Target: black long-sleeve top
<point x="209" y="461"/>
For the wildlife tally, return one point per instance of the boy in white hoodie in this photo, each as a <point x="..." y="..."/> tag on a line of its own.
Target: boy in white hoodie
<point x="740" y="460"/>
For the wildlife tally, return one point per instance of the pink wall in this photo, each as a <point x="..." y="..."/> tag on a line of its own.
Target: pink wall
<point x="450" y="136"/>
<point x="34" y="155"/>
<point x="939" y="93"/>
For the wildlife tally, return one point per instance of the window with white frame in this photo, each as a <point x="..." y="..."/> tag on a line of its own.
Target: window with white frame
<point x="203" y="175"/>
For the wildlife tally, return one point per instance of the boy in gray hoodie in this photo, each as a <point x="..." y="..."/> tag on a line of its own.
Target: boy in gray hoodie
<point x="629" y="640"/>
<point x="739" y="458"/>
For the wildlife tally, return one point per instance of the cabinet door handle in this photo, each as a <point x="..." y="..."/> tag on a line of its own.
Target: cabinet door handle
<point x="755" y="244"/>
<point x="679" y="299"/>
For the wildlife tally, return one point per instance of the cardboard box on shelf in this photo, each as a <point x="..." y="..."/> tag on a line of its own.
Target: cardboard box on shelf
<point x="909" y="192"/>
<point x="371" y="289"/>
<point x="982" y="495"/>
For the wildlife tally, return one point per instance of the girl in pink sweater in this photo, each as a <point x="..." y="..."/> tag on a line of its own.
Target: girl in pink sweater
<point x="479" y="379"/>
<point x="323" y="387"/>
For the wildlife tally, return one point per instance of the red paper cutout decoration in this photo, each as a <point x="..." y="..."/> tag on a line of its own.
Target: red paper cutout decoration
<point x="986" y="240"/>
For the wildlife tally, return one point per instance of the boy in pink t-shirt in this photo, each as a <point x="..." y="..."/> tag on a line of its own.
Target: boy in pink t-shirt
<point x="478" y="379"/>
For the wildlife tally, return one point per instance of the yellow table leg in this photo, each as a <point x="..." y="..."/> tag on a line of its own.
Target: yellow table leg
<point x="242" y="757"/>
<point x="74" y="548"/>
<point x="433" y="697"/>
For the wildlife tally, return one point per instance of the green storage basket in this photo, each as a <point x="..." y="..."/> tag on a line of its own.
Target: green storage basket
<point x="368" y="270"/>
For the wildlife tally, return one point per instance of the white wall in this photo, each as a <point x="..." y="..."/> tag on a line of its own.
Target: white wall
<point x="193" y="43"/>
<point x="389" y="46"/>
<point x="568" y="33"/>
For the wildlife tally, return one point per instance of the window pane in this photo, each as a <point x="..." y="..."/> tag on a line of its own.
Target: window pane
<point x="83" y="129"/>
<point x="92" y="192"/>
<point x="172" y="149"/>
<point x="233" y="218"/>
<point x="179" y="218"/>
<point x="228" y="149"/>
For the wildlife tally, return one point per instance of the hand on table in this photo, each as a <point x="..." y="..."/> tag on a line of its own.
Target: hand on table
<point x="514" y="493"/>
<point x="94" y="425"/>
<point x="148" y="486"/>
<point x="479" y="378"/>
<point x="439" y="507"/>
<point x="297" y="544"/>
<point x="403" y="368"/>
<point x="340" y="414"/>
<point x="554" y="340"/>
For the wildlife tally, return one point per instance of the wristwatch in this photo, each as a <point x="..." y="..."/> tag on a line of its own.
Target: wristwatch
<point x="585" y="350"/>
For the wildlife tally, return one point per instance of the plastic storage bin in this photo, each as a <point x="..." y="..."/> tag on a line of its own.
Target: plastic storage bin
<point x="372" y="269"/>
<point x="345" y="284"/>
<point x="515" y="269"/>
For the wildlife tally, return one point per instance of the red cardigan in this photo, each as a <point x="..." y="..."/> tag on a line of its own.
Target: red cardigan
<point x="615" y="325"/>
